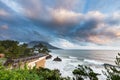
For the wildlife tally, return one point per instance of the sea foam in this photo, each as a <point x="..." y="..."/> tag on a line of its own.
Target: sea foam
<point x="69" y="63"/>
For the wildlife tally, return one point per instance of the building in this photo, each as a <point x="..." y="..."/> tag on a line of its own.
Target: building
<point x="2" y="55"/>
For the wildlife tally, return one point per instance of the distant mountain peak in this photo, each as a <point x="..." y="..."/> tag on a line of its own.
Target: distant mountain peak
<point x="33" y="43"/>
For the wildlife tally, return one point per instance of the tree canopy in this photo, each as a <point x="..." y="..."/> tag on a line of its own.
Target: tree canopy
<point x="12" y="49"/>
<point x="41" y="48"/>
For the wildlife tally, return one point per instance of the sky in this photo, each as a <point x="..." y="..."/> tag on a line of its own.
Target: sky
<point x="69" y="24"/>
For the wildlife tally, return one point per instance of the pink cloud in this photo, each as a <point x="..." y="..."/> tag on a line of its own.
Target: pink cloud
<point x="3" y="13"/>
<point x="4" y="27"/>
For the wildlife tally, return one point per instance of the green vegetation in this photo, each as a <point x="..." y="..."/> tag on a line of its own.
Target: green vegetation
<point x="41" y="48"/>
<point x="2" y="60"/>
<point x="84" y="72"/>
<point x="113" y="72"/>
<point x="12" y="49"/>
<point x="30" y="74"/>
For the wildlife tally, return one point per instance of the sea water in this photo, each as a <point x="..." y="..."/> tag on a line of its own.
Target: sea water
<point x="71" y="58"/>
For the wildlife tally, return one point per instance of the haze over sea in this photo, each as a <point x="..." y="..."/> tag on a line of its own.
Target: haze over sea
<point x="104" y="56"/>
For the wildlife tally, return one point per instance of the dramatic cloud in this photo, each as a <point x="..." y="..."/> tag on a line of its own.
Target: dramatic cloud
<point x="62" y="15"/>
<point x="72" y="21"/>
<point x="96" y="29"/>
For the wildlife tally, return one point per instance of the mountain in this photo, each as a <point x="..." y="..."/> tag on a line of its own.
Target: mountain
<point x="33" y="43"/>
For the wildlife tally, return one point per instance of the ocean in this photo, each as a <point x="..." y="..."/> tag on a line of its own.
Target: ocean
<point x="71" y="58"/>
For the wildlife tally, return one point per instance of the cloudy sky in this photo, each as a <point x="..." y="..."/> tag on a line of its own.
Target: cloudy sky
<point x="63" y="23"/>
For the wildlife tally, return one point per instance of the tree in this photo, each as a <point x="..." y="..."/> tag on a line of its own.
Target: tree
<point x="8" y="43"/>
<point x="113" y="72"/>
<point x="42" y="48"/>
<point x="2" y="49"/>
<point x="24" y="45"/>
<point x="82" y="72"/>
<point x="12" y="49"/>
<point x="25" y="51"/>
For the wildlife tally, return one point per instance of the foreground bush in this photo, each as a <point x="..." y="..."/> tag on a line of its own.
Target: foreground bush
<point x="113" y="72"/>
<point x="84" y="72"/>
<point x="29" y="74"/>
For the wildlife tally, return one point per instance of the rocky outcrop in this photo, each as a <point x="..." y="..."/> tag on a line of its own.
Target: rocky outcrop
<point x="49" y="57"/>
<point x="57" y="59"/>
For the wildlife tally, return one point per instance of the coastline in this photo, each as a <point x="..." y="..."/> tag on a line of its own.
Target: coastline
<point x="68" y="64"/>
<point x="38" y="63"/>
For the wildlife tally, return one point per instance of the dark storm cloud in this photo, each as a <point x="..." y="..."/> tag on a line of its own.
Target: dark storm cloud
<point x="61" y="19"/>
<point x="17" y="27"/>
<point x="94" y="28"/>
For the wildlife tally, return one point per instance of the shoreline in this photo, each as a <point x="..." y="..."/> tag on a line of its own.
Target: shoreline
<point x="67" y="65"/>
<point x="38" y="63"/>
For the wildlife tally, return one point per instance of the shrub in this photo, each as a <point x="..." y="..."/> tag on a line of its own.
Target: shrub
<point x="83" y="72"/>
<point x="113" y="72"/>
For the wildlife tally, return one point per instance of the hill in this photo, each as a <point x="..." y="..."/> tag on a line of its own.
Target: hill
<point x="33" y="43"/>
